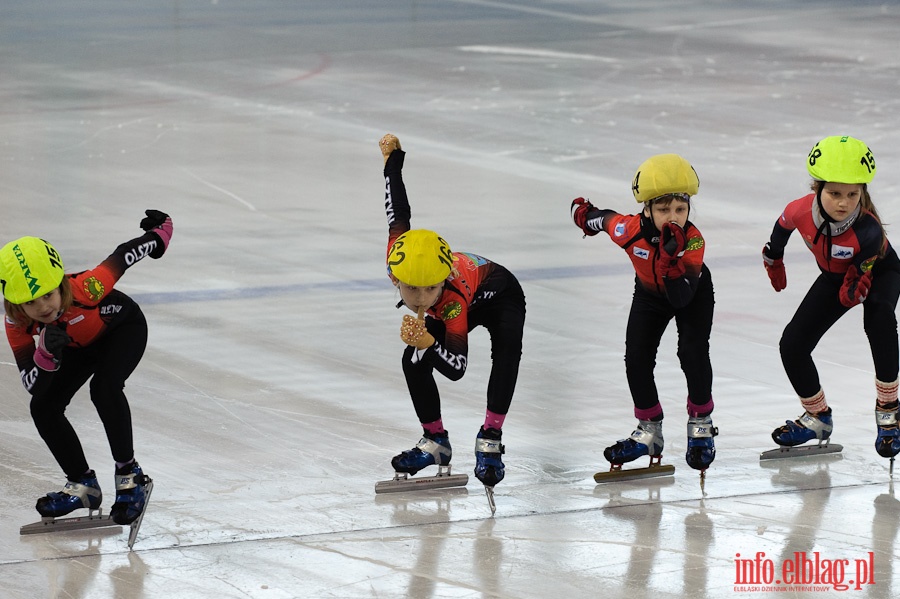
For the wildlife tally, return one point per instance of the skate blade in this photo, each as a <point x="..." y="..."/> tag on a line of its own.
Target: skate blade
<point x="634" y="473"/>
<point x="489" y="491"/>
<point x="136" y="525"/>
<point x="403" y="483"/>
<point x="94" y="519"/>
<point x="801" y="451"/>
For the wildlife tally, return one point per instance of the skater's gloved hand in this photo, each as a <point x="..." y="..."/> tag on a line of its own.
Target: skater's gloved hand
<point x="855" y="287"/>
<point x="672" y="241"/>
<point x="50" y="345"/>
<point x="160" y="224"/>
<point x="774" y="268"/>
<point x="579" y="210"/>
<point x="414" y="333"/>
<point x="388" y="143"/>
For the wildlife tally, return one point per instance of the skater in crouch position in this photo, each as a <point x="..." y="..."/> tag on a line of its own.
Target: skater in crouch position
<point x="66" y="328"/>
<point x="840" y="226"/>
<point x="451" y="293"/>
<point x="671" y="281"/>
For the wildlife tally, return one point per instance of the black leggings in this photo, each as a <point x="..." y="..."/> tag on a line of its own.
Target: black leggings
<point x="647" y="321"/>
<point x="504" y="318"/>
<point x="110" y="360"/>
<point x="821" y="308"/>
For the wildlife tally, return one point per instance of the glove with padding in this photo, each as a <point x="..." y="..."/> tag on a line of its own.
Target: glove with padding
<point x="672" y="241"/>
<point x="414" y="333"/>
<point x="855" y="287"/>
<point x="50" y="345"/>
<point x="160" y="224"/>
<point x="580" y="208"/>
<point x="774" y="268"/>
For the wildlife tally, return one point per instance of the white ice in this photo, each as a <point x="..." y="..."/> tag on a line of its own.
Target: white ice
<point x="270" y="399"/>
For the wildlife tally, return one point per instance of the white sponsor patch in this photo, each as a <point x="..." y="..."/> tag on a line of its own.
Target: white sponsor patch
<point x="841" y="252"/>
<point x="641" y="253"/>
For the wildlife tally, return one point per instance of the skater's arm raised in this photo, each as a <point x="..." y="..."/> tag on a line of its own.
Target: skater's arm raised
<point x="396" y="203"/>
<point x="153" y="243"/>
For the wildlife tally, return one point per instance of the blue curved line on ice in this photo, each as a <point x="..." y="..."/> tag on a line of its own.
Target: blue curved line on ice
<point x="525" y="275"/>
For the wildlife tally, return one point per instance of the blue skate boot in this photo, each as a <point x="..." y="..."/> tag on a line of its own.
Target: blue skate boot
<point x="647" y="439"/>
<point x="130" y="494"/>
<point x="489" y="467"/>
<point x="79" y="493"/>
<point x="432" y="448"/>
<point x="805" y="428"/>
<point x="888" y="442"/>
<point x="701" y="450"/>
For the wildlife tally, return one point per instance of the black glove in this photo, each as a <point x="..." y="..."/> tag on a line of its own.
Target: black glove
<point x="153" y="219"/>
<point x="160" y="224"/>
<point x="50" y="347"/>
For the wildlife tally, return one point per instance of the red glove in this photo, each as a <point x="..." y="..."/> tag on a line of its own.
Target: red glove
<point x="672" y="242"/>
<point x="855" y="287"/>
<point x="775" y="269"/>
<point x="580" y="209"/>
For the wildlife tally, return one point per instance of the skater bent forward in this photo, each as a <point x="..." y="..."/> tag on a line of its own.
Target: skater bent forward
<point x="84" y="329"/>
<point x="451" y="293"/>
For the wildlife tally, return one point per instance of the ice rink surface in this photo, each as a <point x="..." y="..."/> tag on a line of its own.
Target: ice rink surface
<point x="270" y="399"/>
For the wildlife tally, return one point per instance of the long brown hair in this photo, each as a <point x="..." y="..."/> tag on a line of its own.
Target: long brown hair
<point x="16" y="314"/>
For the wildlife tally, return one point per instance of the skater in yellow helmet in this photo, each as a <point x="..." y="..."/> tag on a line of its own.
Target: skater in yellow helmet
<point x="85" y="329"/>
<point x="451" y="293"/>
<point x="839" y="224"/>
<point x="672" y="281"/>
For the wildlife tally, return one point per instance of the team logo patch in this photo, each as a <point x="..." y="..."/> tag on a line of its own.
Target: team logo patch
<point x="475" y="258"/>
<point x="841" y="252"/>
<point x="867" y="265"/>
<point x="694" y="243"/>
<point x="451" y="310"/>
<point x="94" y="288"/>
<point x="641" y="253"/>
<point x="619" y="230"/>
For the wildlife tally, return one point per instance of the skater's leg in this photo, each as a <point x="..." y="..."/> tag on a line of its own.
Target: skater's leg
<point x="48" y="411"/>
<point x="504" y="318"/>
<point x="434" y="446"/>
<point x="887" y="443"/>
<point x="647" y="321"/>
<point x="118" y="354"/>
<point x="694" y="323"/>
<point x="419" y="376"/>
<point x="880" y="323"/>
<point x="817" y="313"/>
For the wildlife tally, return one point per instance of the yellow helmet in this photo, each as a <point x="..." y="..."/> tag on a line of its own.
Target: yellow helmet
<point x="841" y="159"/>
<point x="29" y="269"/>
<point x="664" y="174"/>
<point x="420" y="258"/>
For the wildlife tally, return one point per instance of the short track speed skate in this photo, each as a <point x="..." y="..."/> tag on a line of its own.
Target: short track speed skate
<point x="807" y="427"/>
<point x="432" y="449"/>
<point x="94" y="519"/>
<point x="489" y="468"/>
<point x="646" y="440"/>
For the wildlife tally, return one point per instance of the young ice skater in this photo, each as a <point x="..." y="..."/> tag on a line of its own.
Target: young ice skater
<point x="671" y="282"/>
<point x="840" y="226"/>
<point x="65" y="329"/>
<point x="451" y="293"/>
